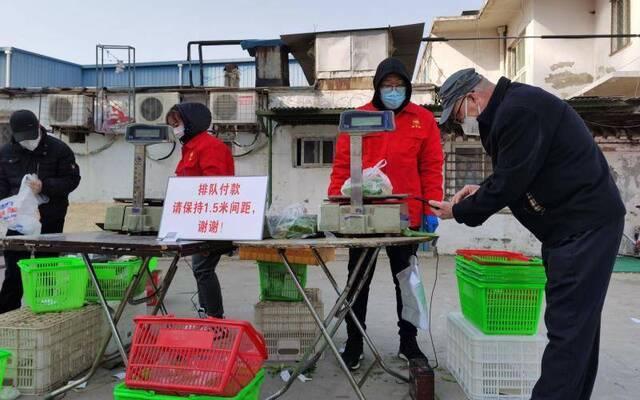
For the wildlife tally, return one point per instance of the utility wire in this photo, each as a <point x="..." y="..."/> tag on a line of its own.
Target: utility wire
<point x="544" y="37"/>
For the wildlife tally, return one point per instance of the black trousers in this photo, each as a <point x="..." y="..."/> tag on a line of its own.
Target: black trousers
<point x="399" y="260"/>
<point x="578" y="272"/>
<point x="11" y="292"/>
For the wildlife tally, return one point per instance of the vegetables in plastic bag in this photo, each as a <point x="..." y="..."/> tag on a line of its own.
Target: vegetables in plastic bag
<point x="20" y="212"/>
<point x="292" y="222"/>
<point x="374" y="182"/>
<point x="414" y="302"/>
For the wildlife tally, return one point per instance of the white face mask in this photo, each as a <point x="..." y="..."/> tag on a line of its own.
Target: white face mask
<point x="178" y="131"/>
<point x="470" y="125"/>
<point x="30" y="144"/>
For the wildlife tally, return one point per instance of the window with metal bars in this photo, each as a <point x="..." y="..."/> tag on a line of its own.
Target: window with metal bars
<point x="465" y="164"/>
<point x="620" y="24"/>
<point x="314" y="152"/>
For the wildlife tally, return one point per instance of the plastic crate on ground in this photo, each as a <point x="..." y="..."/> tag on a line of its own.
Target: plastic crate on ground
<point x="49" y="349"/>
<point x="194" y="356"/>
<point x="276" y="283"/>
<point x="115" y="276"/>
<point x="53" y="284"/>
<point x="492" y="367"/>
<point x="500" y="308"/>
<point x="249" y="392"/>
<point x="295" y="256"/>
<point x="288" y="328"/>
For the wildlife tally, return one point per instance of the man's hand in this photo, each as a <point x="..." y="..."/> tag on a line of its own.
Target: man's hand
<point x="35" y="185"/>
<point x="466" y="191"/>
<point x="442" y="209"/>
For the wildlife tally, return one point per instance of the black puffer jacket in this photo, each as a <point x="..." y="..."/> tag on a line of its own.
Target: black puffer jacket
<point x="53" y="162"/>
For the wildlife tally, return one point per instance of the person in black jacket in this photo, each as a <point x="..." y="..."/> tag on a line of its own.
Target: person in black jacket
<point x="32" y="151"/>
<point x="549" y="171"/>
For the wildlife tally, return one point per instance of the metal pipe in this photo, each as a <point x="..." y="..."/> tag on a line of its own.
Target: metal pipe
<point x="270" y="162"/>
<point x="200" y="44"/>
<point x="7" y="70"/>
<point x="180" y="75"/>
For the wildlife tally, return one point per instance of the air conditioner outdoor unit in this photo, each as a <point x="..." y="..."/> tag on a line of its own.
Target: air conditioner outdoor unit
<point x="233" y="107"/>
<point x="152" y="108"/>
<point x="70" y="110"/>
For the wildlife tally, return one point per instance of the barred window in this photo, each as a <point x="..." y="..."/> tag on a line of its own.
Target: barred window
<point x="465" y="164"/>
<point x="620" y="24"/>
<point x="314" y="152"/>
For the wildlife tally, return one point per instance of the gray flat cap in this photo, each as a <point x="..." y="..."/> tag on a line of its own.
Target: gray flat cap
<point x="456" y="86"/>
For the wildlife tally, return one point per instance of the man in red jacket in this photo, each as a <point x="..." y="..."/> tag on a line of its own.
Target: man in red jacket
<point x="414" y="165"/>
<point x="202" y="155"/>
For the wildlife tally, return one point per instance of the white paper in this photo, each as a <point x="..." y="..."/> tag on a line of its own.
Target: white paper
<point x="120" y="375"/>
<point x="285" y="375"/>
<point x="214" y="208"/>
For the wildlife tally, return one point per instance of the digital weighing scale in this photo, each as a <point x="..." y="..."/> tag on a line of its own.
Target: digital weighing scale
<point x="359" y="214"/>
<point x="140" y="215"/>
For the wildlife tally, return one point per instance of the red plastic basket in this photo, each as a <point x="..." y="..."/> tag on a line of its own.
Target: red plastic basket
<point x="187" y="355"/>
<point x="482" y="256"/>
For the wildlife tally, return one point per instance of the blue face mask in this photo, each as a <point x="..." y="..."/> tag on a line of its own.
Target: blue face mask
<point x="393" y="97"/>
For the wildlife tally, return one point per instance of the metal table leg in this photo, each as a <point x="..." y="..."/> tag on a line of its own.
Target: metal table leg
<point x="112" y="320"/>
<point x="366" y="337"/>
<point x="340" y="306"/>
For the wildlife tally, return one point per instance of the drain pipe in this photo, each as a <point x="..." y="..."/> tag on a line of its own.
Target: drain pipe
<point x="180" y="75"/>
<point x="7" y="69"/>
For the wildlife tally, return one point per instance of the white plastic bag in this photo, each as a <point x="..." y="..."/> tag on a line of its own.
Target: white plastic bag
<point x="20" y="212"/>
<point x="414" y="302"/>
<point x="291" y="222"/>
<point x="374" y="182"/>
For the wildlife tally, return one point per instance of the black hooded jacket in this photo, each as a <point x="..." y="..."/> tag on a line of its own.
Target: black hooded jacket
<point x="390" y="66"/>
<point x="54" y="163"/>
<point x="196" y="118"/>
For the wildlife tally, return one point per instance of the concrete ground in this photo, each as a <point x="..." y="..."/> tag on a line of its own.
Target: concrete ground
<point x="619" y="374"/>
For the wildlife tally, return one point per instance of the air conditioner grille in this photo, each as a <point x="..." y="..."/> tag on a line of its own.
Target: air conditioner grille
<point x="225" y="107"/>
<point x="151" y="108"/>
<point x="60" y="109"/>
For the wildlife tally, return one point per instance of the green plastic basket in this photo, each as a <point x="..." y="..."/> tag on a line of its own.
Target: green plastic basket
<point x="53" y="284"/>
<point x="276" y="283"/>
<point x="249" y="392"/>
<point x="503" y="273"/>
<point x="115" y="276"/>
<point x="500" y="308"/>
<point x="4" y="358"/>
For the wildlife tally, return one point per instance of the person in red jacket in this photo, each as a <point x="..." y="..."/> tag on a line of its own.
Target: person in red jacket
<point x="414" y="166"/>
<point x="202" y="155"/>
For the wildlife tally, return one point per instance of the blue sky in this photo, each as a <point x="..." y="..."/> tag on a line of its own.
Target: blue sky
<point x="160" y="29"/>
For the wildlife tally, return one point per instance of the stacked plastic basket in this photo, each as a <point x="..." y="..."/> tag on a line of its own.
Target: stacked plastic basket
<point x="204" y="359"/>
<point x="493" y="351"/>
<point x="57" y="334"/>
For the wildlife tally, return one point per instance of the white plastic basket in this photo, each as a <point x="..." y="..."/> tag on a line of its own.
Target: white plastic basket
<point x="288" y="327"/>
<point x="492" y="367"/>
<point x="49" y="349"/>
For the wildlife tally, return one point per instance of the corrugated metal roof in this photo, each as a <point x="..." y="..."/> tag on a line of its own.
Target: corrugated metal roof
<point x="35" y="70"/>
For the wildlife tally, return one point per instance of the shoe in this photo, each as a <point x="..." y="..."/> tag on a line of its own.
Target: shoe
<point x="352" y="354"/>
<point x="409" y="349"/>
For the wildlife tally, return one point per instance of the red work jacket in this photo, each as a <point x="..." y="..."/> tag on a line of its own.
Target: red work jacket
<point x="205" y="155"/>
<point x="413" y="153"/>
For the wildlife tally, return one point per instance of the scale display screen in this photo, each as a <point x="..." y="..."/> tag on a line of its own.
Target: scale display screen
<point x="367" y="121"/>
<point x="361" y="122"/>
<point x="148" y="134"/>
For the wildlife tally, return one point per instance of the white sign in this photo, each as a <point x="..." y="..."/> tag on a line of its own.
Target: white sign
<point x="214" y="208"/>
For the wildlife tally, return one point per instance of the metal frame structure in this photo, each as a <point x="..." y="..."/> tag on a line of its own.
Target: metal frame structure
<point x="112" y="243"/>
<point x="101" y="88"/>
<point x="343" y="305"/>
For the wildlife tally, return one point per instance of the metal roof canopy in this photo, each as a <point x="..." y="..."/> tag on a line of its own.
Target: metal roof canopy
<point x="406" y="44"/>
